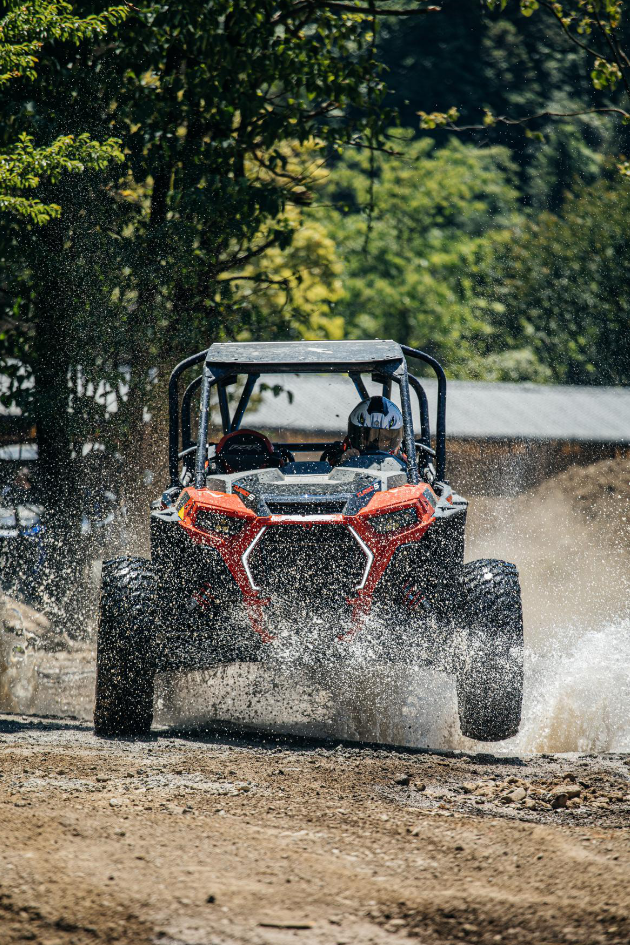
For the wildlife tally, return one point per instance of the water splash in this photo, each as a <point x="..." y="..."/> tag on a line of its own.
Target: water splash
<point x="578" y="697"/>
<point x="577" y="686"/>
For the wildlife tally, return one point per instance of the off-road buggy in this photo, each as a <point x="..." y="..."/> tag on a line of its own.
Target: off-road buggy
<point x="369" y="552"/>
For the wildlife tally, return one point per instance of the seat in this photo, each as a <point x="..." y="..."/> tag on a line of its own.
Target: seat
<point x="244" y="450"/>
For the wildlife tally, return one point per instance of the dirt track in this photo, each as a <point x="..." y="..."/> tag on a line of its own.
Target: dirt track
<point x="214" y="840"/>
<point x="202" y="840"/>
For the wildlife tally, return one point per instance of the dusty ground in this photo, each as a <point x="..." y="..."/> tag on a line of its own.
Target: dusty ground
<point x="214" y="840"/>
<point x="601" y="491"/>
<point x="207" y="839"/>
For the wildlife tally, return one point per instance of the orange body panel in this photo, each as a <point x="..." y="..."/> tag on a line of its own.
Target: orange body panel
<point x="379" y="547"/>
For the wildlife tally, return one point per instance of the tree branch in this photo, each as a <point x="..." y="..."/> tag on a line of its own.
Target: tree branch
<point x="303" y="179"/>
<point x="350" y="8"/>
<point x="611" y="46"/>
<point x="366" y="146"/>
<point x="569" y="34"/>
<point x="240" y="260"/>
<point x="256" y="278"/>
<point x="504" y="120"/>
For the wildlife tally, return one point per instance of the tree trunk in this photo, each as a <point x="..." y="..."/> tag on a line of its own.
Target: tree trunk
<point x="52" y="360"/>
<point x="56" y="470"/>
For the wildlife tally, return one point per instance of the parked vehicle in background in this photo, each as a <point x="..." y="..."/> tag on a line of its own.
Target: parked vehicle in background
<point x="57" y="570"/>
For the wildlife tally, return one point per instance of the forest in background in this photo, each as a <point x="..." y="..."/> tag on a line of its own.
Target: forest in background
<point x="172" y="176"/>
<point x="503" y="248"/>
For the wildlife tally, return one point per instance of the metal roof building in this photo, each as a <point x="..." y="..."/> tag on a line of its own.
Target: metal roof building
<point x="474" y="410"/>
<point x="500" y="438"/>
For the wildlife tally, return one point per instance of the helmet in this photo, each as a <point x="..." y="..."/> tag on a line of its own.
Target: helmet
<point x="376" y="424"/>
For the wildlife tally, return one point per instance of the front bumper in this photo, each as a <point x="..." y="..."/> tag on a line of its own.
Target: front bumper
<point x="291" y="571"/>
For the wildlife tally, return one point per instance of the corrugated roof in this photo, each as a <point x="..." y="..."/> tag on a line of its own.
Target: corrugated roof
<point x="474" y="410"/>
<point x="19" y="452"/>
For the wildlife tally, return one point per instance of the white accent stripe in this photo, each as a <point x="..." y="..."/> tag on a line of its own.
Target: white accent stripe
<point x="369" y="556"/>
<point x="330" y="517"/>
<point x="246" y="555"/>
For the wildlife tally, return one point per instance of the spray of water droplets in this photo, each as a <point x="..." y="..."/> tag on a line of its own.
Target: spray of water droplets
<point x="577" y="682"/>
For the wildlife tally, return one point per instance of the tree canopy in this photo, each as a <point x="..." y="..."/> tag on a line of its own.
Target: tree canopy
<point x="408" y="260"/>
<point x="211" y="106"/>
<point x="175" y="174"/>
<point x="24" y="30"/>
<point x="561" y="290"/>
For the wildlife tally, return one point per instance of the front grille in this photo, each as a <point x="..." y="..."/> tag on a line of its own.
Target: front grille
<point x="317" y="507"/>
<point x="320" y="564"/>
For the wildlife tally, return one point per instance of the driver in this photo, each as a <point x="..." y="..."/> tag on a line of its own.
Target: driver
<point x="374" y="426"/>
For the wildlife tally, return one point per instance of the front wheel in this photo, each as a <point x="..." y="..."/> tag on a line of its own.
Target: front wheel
<point x="490" y="662"/>
<point x="125" y="665"/>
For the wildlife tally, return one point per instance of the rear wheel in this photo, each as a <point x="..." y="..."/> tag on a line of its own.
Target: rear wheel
<point x="125" y="666"/>
<point x="490" y="664"/>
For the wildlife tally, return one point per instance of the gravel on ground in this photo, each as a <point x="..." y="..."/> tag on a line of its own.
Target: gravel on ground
<point x="206" y="839"/>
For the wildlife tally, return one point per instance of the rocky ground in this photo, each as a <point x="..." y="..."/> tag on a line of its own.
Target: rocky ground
<point x="209" y="839"/>
<point x="200" y="840"/>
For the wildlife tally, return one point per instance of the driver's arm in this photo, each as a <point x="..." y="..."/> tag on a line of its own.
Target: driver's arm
<point x="339" y="451"/>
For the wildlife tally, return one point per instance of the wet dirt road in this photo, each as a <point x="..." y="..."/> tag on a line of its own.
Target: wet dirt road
<point x="214" y="839"/>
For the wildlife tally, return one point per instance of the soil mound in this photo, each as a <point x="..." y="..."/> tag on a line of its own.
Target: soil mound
<point x="601" y="491"/>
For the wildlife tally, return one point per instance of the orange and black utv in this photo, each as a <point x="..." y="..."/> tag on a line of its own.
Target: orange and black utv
<point x="247" y="542"/>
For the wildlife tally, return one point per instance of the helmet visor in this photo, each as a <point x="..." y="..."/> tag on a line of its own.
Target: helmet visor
<point x="374" y="438"/>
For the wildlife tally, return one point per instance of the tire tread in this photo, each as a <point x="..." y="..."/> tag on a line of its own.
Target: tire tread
<point x="490" y="680"/>
<point x="125" y="654"/>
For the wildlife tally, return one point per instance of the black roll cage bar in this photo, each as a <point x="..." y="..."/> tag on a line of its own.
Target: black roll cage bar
<point x="230" y="424"/>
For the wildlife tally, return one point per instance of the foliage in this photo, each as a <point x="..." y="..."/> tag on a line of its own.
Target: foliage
<point x="559" y="289"/>
<point x="26" y="26"/>
<point x="295" y="288"/>
<point x="489" y="65"/>
<point x="23" y="167"/>
<point x="24" y="30"/>
<point x="161" y="258"/>
<point x="592" y="27"/>
<point x="408" y="263"/>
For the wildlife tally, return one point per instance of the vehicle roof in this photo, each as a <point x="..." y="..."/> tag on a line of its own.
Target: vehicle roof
<point x="317" y="356"/>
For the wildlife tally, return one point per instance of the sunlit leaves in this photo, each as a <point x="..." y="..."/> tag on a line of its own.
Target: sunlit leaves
<point x="438" y="119"/>
<point x="583" y="19"/>
<point x="594" y="27"/>
<point x="24" y="29"/>
<point x="433" y="207"/>
<point x="605" y="74"/>
<point x="528" y="7"/>
<point x="26" y="26"/>
<point x="24" y="166"/>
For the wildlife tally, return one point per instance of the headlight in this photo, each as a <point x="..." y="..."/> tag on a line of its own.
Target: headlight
<point x="394" y="521"/>
<point x="217" y="524"/>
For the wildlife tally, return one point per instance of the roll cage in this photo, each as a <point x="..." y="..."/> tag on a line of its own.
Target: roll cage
<point x="385" y="361"/>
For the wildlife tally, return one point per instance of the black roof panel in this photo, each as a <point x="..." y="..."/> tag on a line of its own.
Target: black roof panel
<point x="296" y="356"/>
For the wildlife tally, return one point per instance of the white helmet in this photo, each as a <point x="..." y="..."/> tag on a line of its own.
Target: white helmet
<point x="376" y="424"/>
